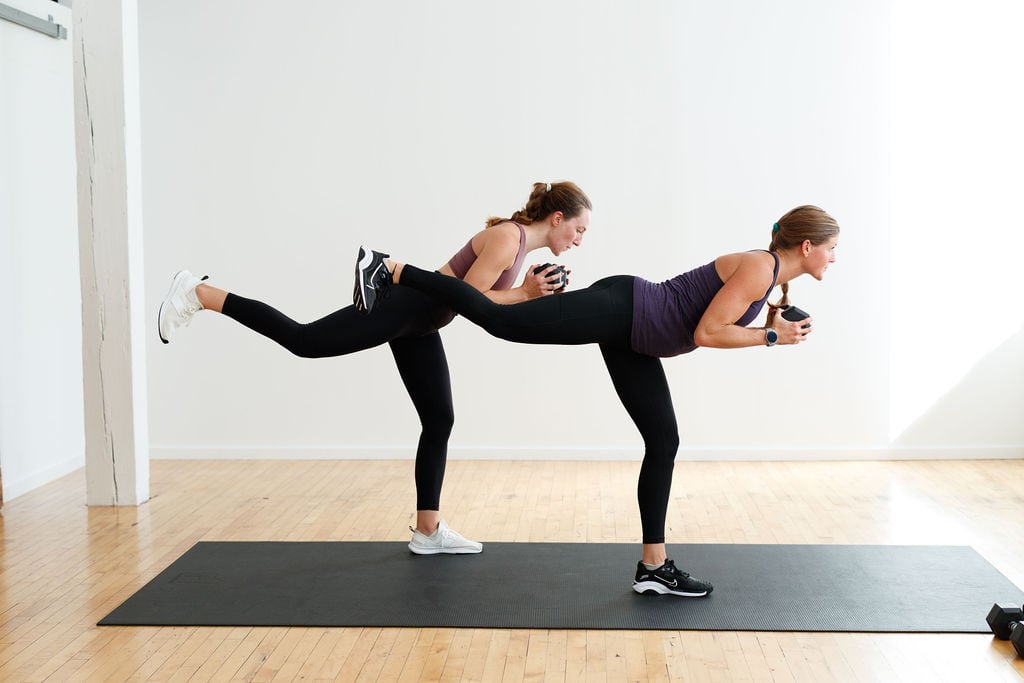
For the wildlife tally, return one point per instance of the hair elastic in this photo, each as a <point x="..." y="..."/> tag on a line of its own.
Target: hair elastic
<point x="775" y="228"/>
<point x="548" y="188"/>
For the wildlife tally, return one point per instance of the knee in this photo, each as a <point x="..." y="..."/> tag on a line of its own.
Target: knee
<point x="447" y="423"/>
<point x="663" y="444"/>
<point x="302" y="343"/>
<point x="440" y="422"/>
<point x="673" y="443"/>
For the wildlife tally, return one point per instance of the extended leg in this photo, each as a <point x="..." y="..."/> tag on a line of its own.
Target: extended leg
<point x="339" y="333"/>
<point x="601" y="313"/>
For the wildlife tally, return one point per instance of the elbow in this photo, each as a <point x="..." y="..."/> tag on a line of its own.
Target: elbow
<point x="709" y="337"/>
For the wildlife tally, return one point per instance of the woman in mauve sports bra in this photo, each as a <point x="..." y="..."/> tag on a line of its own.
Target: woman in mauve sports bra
<point x="555" y="216"/>
<point x="636" y="323"/>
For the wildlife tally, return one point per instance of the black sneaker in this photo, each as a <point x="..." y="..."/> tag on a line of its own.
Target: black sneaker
<point x="372" y="279"/>
<point x="667" y="580"/>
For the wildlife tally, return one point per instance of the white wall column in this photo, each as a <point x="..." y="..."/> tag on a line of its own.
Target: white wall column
<point x="110" y="238"/>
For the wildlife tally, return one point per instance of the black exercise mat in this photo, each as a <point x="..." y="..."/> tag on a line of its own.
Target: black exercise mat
<point x="572" y="586"/>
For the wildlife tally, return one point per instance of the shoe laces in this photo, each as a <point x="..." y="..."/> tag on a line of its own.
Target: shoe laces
<point x="383" y="284"/>
<point x="670" y="568"/>
<point x="192" y="305"/>
<point x="189" y="310"/>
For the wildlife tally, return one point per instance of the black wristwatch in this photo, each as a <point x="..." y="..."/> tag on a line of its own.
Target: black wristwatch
<point x="770" y="336"/>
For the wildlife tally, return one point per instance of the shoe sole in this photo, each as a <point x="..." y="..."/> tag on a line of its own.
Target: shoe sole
<point x="160" y="313"/>
<point x="361" y="266"/>
<point x="650" y="588"/>
<point x="442" y="551"/>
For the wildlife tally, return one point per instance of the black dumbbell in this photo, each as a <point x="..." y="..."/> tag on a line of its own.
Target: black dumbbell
<point x="556" y="272"/>
<point x="794" y="314"/>
<point x="1007" y="623"/>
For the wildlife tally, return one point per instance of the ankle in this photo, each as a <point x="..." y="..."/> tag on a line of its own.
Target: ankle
<point x="427" y="521"/>
<point x="654" y="554"/>
<point x="210" y="298"/>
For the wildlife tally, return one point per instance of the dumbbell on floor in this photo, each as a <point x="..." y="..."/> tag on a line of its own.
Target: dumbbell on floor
<point x="1007" y="623"/>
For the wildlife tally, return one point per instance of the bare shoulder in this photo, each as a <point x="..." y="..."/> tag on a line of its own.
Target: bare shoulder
<point x="746" y="269"/>
<point x="498" y="244"/>
<point x="506" y="229"/>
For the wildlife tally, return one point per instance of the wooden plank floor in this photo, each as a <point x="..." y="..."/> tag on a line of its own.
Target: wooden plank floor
<point x="65" y="566"/>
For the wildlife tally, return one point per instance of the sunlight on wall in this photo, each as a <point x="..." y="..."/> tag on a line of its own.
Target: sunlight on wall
<point x="957" y="175"/>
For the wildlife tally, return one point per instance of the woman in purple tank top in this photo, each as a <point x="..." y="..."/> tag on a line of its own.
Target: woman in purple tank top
<point x="554" y="217"/>
<point x="636" y="323"/>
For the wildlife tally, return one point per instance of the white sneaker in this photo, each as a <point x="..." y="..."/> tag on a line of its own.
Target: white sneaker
<point x="180" y="304"/>
<point x="444" y="540"/>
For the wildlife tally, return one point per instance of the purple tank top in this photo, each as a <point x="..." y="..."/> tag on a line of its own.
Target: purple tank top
<point x="465" y="258"/>
<point x="665" y="314"/>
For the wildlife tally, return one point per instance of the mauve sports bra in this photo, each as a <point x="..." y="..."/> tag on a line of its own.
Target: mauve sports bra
<point x="465" y="258"/>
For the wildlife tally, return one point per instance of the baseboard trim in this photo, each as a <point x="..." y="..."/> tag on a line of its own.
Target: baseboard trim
<point x="485" y="452"/>
<point x="14" y="487"/>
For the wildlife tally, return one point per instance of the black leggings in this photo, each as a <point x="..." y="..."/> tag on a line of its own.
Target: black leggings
<point x="409" y="324"/>
<point x="600" y="314"/>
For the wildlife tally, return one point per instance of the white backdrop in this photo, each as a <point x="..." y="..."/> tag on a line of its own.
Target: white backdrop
<point x="278" y="138"/>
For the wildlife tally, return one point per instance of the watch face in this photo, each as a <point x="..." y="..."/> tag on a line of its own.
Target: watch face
<point x="771" y="336"/>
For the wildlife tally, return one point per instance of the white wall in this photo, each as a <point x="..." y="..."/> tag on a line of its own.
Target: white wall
<point x="276" y="140"/>
<point x="41" y="425"/>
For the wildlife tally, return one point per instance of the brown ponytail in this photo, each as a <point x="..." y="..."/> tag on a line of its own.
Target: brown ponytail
<point x="547" y="199"/>
<point x="802" y="223"/>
